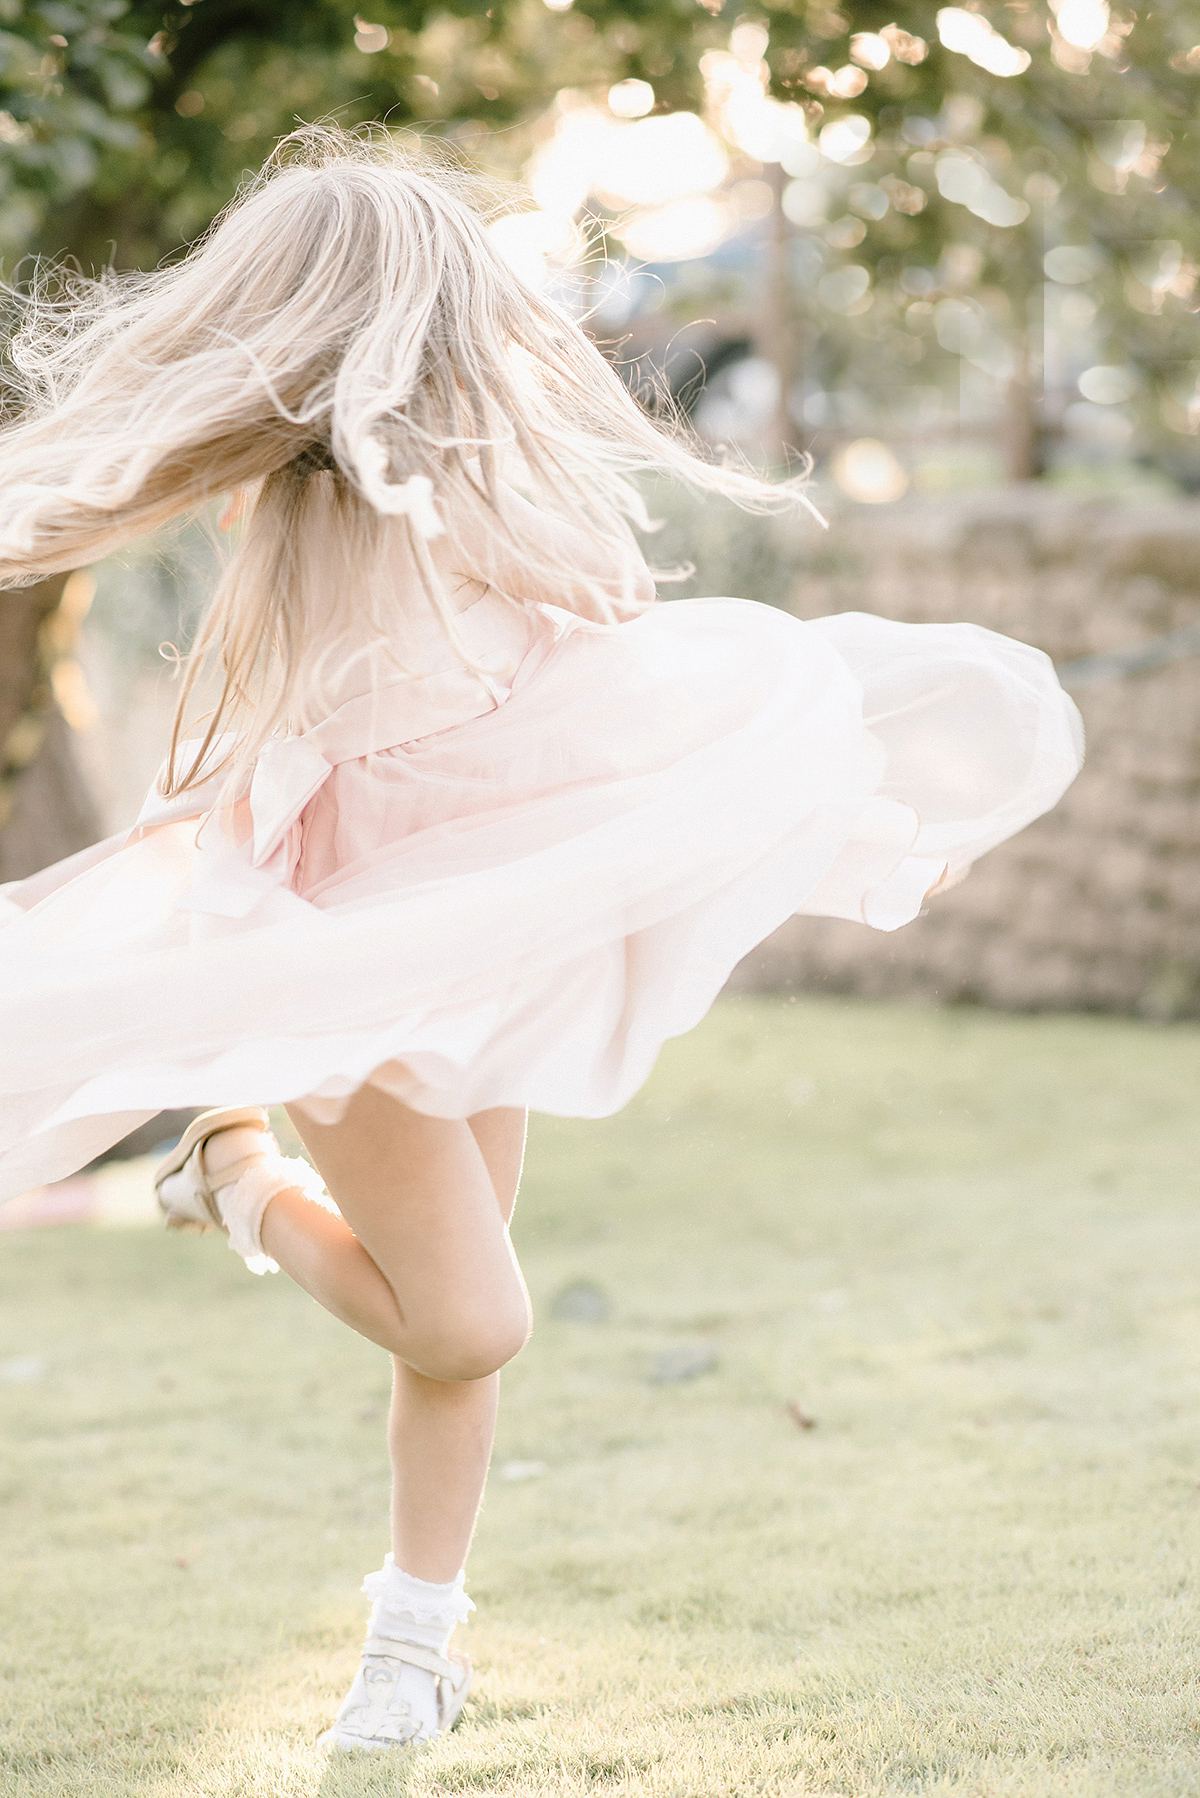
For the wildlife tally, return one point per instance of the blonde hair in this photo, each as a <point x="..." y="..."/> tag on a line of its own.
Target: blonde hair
<point x="347" y="343"/>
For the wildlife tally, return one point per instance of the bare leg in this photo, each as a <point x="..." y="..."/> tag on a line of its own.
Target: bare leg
<point x="422" y="1264"/>
<point x="429" y="1273"/>
<point x="440" y="1434"/>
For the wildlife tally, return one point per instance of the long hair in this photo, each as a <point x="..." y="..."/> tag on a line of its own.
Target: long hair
<point x="347" y="345"/>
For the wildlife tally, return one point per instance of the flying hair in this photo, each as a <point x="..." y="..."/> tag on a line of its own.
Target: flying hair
<point x="346" y="345"/>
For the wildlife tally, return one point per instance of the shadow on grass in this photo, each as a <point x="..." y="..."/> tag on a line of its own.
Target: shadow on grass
<point x="363" y="1774"/>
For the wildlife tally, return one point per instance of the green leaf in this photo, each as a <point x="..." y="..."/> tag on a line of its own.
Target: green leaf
<point x="125" y="86"/>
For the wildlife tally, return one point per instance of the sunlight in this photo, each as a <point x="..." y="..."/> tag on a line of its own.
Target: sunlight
<point x="868" y="472"/>
<point x="967" y="182"/>
<point x="970" y="35"/>
<point x="688" y="227"/>
<point x="630" y="99"/>
<point x="659" y="159"/>
<point x="531" y="241"/>
<point x="647" y="162"/>
<point x="846" y="140"/>
<point x="870" y="50"/>
<point x="736" y="98"/>
<point x="1082" y="23"/>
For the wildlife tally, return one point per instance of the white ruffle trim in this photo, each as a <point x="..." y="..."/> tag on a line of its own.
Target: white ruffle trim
<point x="243" y="1203"/>
<point x="407" y="1599"/>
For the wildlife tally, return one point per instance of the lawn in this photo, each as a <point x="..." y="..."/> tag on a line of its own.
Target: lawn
<point x="856" y="1450"/>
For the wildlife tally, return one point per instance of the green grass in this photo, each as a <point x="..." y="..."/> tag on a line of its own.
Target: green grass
<point x="968" y="1245"/>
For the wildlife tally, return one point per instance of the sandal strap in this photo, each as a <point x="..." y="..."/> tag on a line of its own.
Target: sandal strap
<point x="229" y="1175"/>
<point x="395" y="1650"/>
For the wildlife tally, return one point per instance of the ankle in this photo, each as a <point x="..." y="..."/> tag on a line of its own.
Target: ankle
<point x="242" y="1201"/>
<point x="421" y="1612"/>
<point x="242" y="1142"/>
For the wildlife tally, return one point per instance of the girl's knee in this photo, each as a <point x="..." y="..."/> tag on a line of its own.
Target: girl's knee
<point x="478" y="1346"/>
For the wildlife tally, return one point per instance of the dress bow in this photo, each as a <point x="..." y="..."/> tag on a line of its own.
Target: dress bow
<point x="288" y="772"/>
<point x="226" y="880"/>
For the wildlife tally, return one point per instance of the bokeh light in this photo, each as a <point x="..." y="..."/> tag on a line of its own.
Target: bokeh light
<point x="867" y="471"/>
<point x="630" y="99"/>
<point x="1105" y="385"/>
<point x="971" y="35"/>
<point x="967" y="182"/>
<point x="531" y="242"/>
<point x="1072" y="263"/>
<point x="369" y="38"/>
<point x="870" y="50"/>
<point x="687" y="227"/>
<point x="1082" y="23"/>
<point x="846" y="139"/>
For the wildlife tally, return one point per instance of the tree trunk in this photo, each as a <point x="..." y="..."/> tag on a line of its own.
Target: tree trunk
<point x="46" y="811"/>
<point x="1024" y="437"/>
<point x="1024" y="428"/>
<point x="23" y="611"/>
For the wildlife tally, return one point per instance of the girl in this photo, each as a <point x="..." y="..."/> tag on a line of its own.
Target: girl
<point x="463" y="822"/>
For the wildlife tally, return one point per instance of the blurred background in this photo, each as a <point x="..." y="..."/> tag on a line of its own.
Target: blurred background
<point x="950" y="254"/>
<point x="855" y="1449"/>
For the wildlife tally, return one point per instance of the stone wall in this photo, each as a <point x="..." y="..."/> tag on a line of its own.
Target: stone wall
<point x="1097" y="905"/>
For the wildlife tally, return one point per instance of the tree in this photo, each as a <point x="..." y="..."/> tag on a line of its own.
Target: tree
<point x="931" y="167"/>
<point x="1058" y="144"/>
<point x="954" y="157"/>
<point x="124" y="128"/>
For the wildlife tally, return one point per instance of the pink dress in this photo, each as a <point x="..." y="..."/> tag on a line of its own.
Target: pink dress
<point x="510" y="889"/>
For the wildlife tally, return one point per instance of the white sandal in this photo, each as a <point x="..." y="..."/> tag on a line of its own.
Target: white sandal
<point x="374" y="1716"/>
<point x="249" y="1184"/>
<point x="194" y="1205"/>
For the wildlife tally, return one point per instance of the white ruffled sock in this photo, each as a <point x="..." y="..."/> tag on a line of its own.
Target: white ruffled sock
<point x="423" y="1614"/>
<point x="243" y="1201"/>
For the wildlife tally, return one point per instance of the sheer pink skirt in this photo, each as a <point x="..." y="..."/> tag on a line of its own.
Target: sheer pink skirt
<point x="511" y="889"/>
